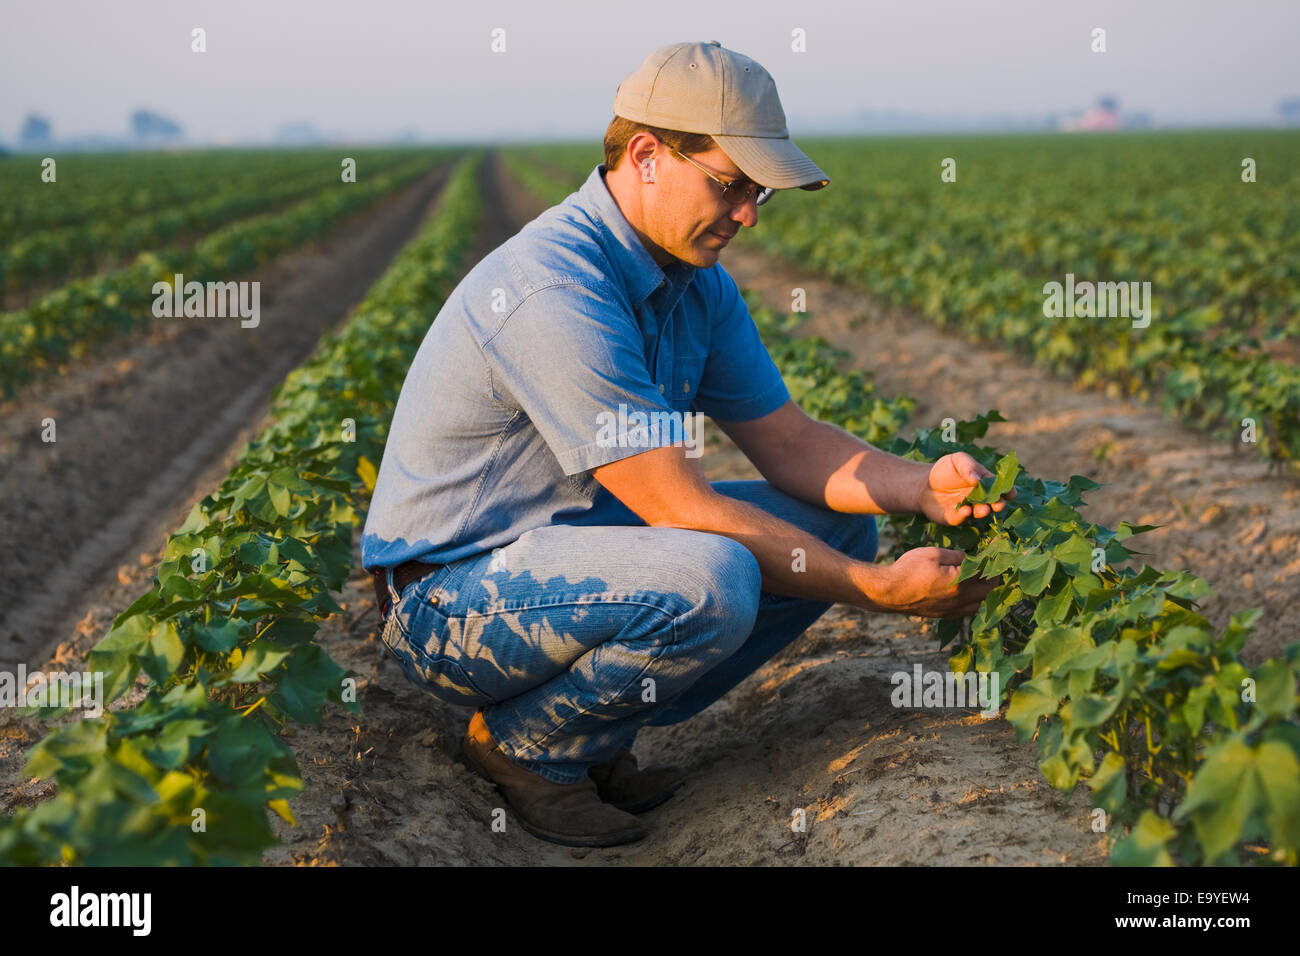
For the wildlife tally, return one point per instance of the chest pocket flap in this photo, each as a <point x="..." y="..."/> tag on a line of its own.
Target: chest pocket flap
<point x="687" y="372"/>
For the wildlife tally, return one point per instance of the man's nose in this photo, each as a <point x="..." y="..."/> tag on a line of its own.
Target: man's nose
<point x="746" y="213"/>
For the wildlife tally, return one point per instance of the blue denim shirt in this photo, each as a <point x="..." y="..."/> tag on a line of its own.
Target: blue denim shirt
<point x="565" y="328"/>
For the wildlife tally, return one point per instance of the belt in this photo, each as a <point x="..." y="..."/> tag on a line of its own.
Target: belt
<point x="403" y="575"/>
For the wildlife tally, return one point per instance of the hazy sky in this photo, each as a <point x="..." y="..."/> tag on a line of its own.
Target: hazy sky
<point x="373" y="67"/>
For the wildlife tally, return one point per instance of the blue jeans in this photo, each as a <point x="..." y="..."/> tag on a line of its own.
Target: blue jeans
<point x="573" y="638"/>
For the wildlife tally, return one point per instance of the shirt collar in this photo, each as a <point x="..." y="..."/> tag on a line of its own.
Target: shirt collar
<point x="642" y="274"/>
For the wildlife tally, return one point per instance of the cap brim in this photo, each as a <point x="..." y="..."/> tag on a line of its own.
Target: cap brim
<point x="777" y="163"/>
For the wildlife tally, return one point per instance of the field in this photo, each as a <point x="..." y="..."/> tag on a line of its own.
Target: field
<point x="191" y="533"/>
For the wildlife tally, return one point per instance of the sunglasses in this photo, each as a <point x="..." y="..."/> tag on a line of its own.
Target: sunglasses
<point x="736" y="192"/>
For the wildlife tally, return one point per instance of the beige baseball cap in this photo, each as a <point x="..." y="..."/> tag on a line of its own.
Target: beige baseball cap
<point x="706" y="88"/>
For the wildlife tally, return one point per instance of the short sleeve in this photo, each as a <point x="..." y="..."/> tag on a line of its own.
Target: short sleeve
<point x="740" y="382"/>
<point x="571" y="358"/>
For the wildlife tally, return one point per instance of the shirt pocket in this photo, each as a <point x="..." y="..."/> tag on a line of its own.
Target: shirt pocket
<point x="687" y="372"/>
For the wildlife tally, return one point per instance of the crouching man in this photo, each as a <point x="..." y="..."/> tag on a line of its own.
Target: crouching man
<point x="575" y="589"/>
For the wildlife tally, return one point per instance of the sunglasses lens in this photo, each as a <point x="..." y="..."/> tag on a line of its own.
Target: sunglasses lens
<point x="739" y="192"/>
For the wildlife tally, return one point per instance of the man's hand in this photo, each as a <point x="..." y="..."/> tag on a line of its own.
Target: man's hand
<point x="922" y="582"/>
<point x="951" y="479"/>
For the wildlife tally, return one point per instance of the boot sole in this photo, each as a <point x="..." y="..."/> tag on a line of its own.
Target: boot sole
<point x="563" y="839"/>
<point x="649" y="803"/>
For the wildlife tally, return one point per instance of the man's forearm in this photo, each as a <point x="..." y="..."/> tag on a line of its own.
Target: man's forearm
<point x="823" y="574"/>
<point x="829" y="467"/>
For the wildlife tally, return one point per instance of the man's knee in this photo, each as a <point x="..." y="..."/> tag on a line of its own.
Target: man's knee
<point x="726" y="589"/>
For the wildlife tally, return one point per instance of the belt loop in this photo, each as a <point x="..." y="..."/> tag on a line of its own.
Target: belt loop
<point x="392" y="590"/>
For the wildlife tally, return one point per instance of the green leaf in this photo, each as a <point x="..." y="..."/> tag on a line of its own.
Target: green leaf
<point x="243" y="831"/>
<point x="79" y="746"/>
<point x="1126" y="530"/>
<point x="1279" y="778"/>
<point x="161" y="657"/>
<point x="991" y="489"/>
<point x="1052" y="647"/>
<point x="1222" y="796"/>
<point x="1187" y="586"/>
<point x="176" y="744"/>
<point x="1193" y="709"/>
<point x="220" y="637"/>
<point x="240" y="750"/>
<point x="1079" y="484"/>
<point x="1075" y="555"/>
<point x="104" y="785"/>
<point x="321" y="603"/>
<point x="309" y="680"/>
<point x="1182" y="646"/>
<point x="260" y="657"/>
<point x="968" y="431"/>
<point x="1036" y="573"/>
<point x="1092" y="710"/>
<point x="178" y="585"/>
<point x="1032" y="699"/>
<point x="116" y="655"/>
<point x="1238" y="630"/>
<point x="1110" y="783"/>
<point x="291" y="631"/>
<point x="1054" y="608"/>
<point x="1275" y="692"/>
<point x="249" y="489"/>
<point x="289" y="478"/>
<point x="1147" y="843"/>
<point x="970" y="568"/>
<point x="1064" y="767"/>
<point x="280" y="498"/>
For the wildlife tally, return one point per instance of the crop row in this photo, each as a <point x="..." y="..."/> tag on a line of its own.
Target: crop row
<point x="79" y="248"/>
<point x="116" y="187"/>
<point x="72" y="320"/>
<point x="1194" y="756"/>
<point x="1122" y="684"/>
<point x="185" y="774"/>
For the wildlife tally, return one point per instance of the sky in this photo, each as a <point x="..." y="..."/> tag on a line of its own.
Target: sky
<point x="368" y="69"/>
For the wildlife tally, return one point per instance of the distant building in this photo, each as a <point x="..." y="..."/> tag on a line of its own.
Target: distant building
<point x="148" y="128"/>
<point x="35" y="133"/>
<point x="1104" y="116"/>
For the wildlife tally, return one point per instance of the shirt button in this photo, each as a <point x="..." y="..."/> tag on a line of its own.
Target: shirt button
<point x="661" y="389"/>
<point x="686" y="386"/>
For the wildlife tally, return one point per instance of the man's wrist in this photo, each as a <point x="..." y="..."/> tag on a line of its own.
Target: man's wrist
<point x="874" y="585"/>
<point x="920" y="485"/>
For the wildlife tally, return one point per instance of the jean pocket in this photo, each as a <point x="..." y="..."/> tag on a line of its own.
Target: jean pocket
<point x="416" y="635"/>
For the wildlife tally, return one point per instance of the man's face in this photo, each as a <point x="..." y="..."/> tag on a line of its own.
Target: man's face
<point x="689" y="219"/>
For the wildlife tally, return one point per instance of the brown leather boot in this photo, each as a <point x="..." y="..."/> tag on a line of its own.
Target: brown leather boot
<point x="621" y="784"/>
<point x="570" y="814"/>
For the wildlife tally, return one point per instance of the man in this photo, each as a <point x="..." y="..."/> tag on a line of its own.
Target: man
<point x="575" y="588"/>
